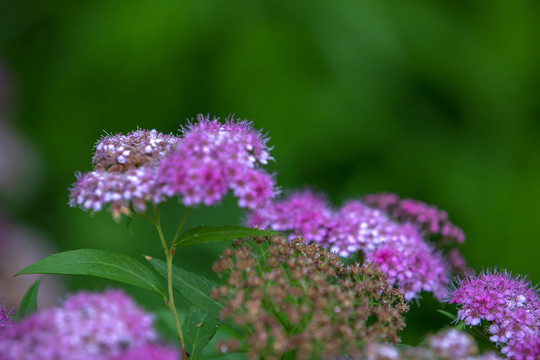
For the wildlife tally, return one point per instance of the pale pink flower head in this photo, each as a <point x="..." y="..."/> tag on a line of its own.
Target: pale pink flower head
<point x="213" y="158"/>
<point x="88" y="326"/>
<point x="510" y="305"/>
<point x="125" y="173"/>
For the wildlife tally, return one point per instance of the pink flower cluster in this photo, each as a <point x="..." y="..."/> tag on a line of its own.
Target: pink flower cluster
<point x="446" y="345"/>
<point x="398" y="249"/>
<point x="429" y="218"/>
<point x="125" y="174"/>
<point x="510" y="305"/>
<point x="304" y="213"/>
<point x="108" y="326"/>
<point x="213" y="158"/>
<point x="5" y="317"/>
<point x="201" y="166"/>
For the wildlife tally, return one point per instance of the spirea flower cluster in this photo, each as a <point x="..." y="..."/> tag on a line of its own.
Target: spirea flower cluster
<point x="108" y="326"/>
<point x="125" y="173"/>
<point x="201" y="165"/>
<point x="213" y="158"/>
<point x="511" y="307"/>
<point x="398" y="249"/>
<point x="447" y="345"/>
<point x="296" y="298"/>
<point x="430" y="219"/>
<point x="304" y="213"/>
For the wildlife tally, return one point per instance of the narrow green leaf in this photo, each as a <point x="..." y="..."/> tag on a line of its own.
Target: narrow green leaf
<point x="28" y="303"/>
<point x="447" y="314"/>
<point x="101" y="263"/>
<point x="195" y="289"/>
<point x="198" y="329"/>
<point x="207" y="234"/>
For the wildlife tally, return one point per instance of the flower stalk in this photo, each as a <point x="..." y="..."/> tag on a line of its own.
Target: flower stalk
<point x="169" y="254"/>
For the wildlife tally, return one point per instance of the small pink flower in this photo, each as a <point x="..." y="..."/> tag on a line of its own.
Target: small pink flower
<point x="429" y="218"/>
<point x="5" y="317"/>
<point x="511" y="305"/>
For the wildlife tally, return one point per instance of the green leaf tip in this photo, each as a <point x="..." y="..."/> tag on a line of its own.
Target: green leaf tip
<point x="208" y="234"/>
<point x="28" y="303"/>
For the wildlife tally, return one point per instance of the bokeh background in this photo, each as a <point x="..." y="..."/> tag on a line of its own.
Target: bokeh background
<point x="438" y="101"/>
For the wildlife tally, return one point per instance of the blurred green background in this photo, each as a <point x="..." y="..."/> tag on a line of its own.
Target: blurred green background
<point x="438" y="101"/>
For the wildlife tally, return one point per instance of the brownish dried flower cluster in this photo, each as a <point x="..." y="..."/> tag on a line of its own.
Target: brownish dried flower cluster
<point x="120" y="153"/>
<point x="296" y="299"/>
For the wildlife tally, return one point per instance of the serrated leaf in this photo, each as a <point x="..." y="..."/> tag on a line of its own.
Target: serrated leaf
<point x="100" y="263"/>
<point x="28" y="303"/>
<point x="195" y="289"/>
<point x="208" y="234"/>
<point x="198" y="329"/>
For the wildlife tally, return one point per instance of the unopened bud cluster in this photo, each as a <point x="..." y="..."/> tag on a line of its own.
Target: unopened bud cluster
<point x="296" y="298"/>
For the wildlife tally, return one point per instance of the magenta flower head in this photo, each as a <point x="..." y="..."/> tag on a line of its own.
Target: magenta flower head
<point x="213" y="158"/>
<point x="303" y="212"/>
<point x="510" y="305"/>
<point x="399" y="250"/>
<point x="125" y="173"/>
<point x="429" y="218"/>
<point x="88" y="326"/>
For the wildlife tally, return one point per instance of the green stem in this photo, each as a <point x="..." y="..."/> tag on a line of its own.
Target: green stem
<point x="181" y="226"/>
<point x="169" y="253"/>
<point x="157" y="224"/>
<point x="172" y="307"/>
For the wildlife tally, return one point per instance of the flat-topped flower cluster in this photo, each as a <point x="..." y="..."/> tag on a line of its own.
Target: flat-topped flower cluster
<point x="108" y="326"/>
<point x="396" y="241"/>
<point x="201" y="165"/>
<point x="294" y="297"/>
<point x="511" y="306"/>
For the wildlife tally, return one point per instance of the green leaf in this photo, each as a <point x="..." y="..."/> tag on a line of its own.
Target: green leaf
<point x="195" y="289"/>
<point x="447" y="314"/>
<point x="101" y="263"/>
<point x="28" y="303"/>
<point x="207" y="234"/>
<point x="198" y="329"/>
